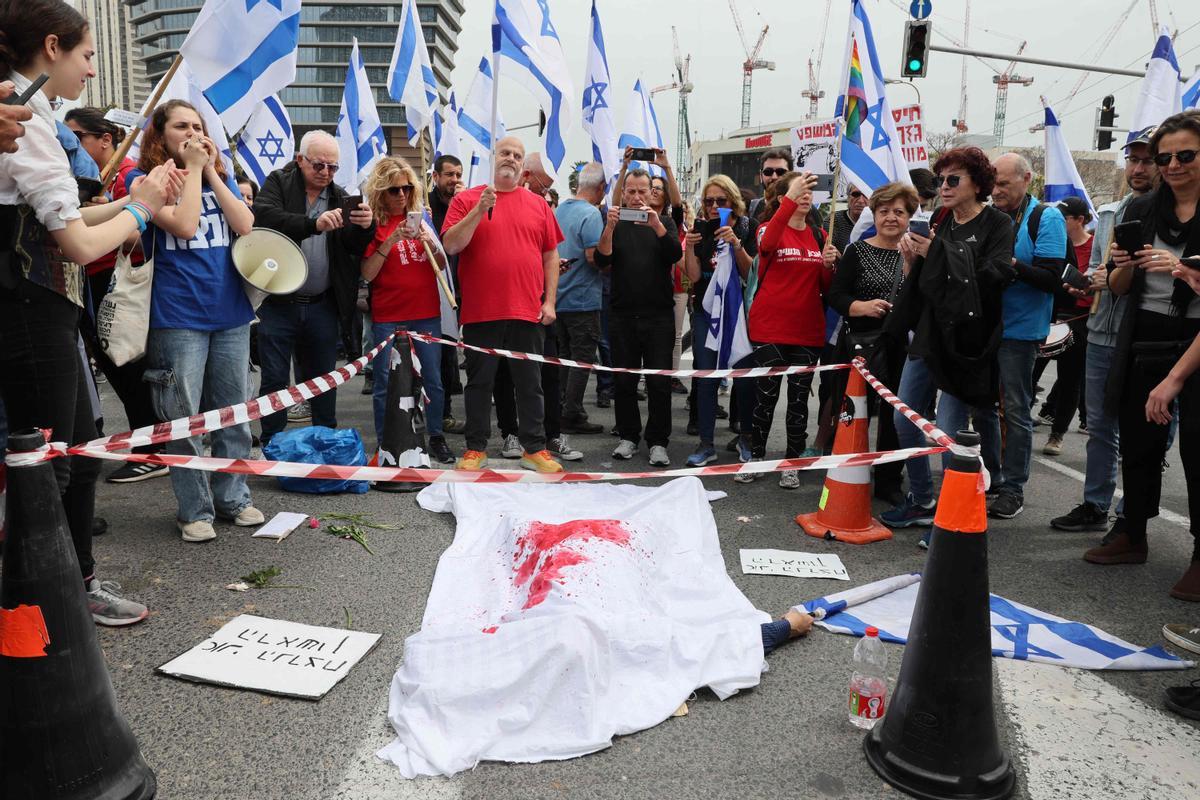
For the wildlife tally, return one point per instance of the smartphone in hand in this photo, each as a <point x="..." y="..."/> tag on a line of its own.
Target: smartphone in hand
<point x="919" y="226"/>
<point x="1128" y="236"/>
<point x="25" y="96"/>
<point x="351" y="203"/>
<point x="412" y="224"/>
<point x="643" y="154"/>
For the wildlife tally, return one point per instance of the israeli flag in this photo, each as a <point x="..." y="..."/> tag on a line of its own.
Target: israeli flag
<point x="1019" y="632"/>
<point x="1191" y="92"/>
<point x="1062" y="176"/>
<point x="359" y="134"/>
<point x="597" y="112"/>
<point x="183" y="86"/>
<point x="241" y="52"/>
<point x="474" y="121"/>
<point x="448" y="143"/>
<point x="410" y="76"/>
<point x="726" y="333"/>
<point x="641" y="127"/>
<point x="1161" y="94"/>
<point x="266" y="143"/>
<point x="870" y="149"/>
<point x="526" y="46"/>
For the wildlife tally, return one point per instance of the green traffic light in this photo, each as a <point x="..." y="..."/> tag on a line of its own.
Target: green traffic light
<point x="914" y="65"/>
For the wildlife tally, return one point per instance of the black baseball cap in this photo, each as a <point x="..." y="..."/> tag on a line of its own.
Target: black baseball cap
<point x="1075" y="207"/>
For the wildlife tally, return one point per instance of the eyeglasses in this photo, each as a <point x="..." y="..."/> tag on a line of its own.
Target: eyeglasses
<point x="1134" y="161"/>
<point x="949" y="180"/>
<point x="321" y="166"/>
<point x="1183" y="157"/>
<point x="777" y="172"/>
<point x="856" y="194"/>
<point x="395" y="191"/>
<point x="719" y="202"/>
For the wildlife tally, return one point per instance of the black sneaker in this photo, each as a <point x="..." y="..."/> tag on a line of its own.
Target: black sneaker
<point x="1006" y="506"/>
<point x="132" y="472"/>
<point x="440" y="450"/>
<point x="581" y="426"/>
<point x="1083" y="517"/>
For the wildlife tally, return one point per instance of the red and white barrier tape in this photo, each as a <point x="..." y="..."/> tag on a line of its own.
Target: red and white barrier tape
<point x="746" y="372"/>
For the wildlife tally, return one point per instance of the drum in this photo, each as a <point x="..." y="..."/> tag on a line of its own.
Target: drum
<point x="1057" y="341"/>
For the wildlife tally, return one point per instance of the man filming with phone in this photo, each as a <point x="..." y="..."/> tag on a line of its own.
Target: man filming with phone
<point x="303" y="202"/>
<point x="639" y="249"/>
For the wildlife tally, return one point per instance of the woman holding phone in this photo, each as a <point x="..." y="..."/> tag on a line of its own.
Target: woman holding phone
<point x="404" y="289"/>
<point x="46" y="236"/>
<point x="1162" y="319"/>
<point x="199" y="343"/>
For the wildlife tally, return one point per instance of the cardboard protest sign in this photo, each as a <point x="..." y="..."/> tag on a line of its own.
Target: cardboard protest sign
<point x="792" y="564"/>
<point x="274" y="656"/>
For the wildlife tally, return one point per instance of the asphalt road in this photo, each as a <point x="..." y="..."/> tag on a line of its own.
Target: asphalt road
<point x="788" y="738"/>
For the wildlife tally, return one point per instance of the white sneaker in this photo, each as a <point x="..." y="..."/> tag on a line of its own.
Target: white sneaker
<point x="625" y="449"/>
<point x="746" y="477"/>
<point x="248" y="517"/>
<point x="199" y="531"/>
<point x="109" y="607"/>
<point x="659" y="457"/>
<point x="789" y="479"/>
<point x="511" y="448"/>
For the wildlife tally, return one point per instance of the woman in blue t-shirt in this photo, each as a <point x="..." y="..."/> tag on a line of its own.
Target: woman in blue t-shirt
<point x="199" y="343"/>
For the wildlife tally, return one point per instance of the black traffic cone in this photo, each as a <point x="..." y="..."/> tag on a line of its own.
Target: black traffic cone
<point x="939" y="739"/>
<point x="61" y="735"/>
<point x="403" y="441"/>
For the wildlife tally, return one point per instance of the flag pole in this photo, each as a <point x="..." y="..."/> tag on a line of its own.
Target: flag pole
<point x="491" y="179"/>
<point x="110" y="170"/>
<point x="837" y="179"/>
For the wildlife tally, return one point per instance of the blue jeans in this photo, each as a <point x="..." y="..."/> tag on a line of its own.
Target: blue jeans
<point x="604" y="380"/>
<point x="194" y="371"/>
<point x="308" y="331"/>
<point x="706" y="388"/>
<point x="430" y="356"/>
<point x="1017" y="359"/>
<point x="917" y="390"/>
<point x="1104" y="435"/>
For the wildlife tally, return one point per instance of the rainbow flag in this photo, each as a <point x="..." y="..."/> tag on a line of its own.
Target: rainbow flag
<point x="856" y="97"/>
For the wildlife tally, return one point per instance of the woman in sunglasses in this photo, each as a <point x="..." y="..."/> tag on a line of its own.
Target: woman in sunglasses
<point x="404" y="289"/>
<point x="699" y="259"/>
<point x="1162" y="318"/>
<point x="199" y="343"/>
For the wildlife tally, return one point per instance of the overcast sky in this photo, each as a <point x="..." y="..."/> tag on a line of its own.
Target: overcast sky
<point x="638" y="39"/>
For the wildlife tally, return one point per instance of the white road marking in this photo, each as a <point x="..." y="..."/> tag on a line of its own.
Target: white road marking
<point x="368" y="778"/>
<point x="1165" y="513"/>
<point x="1081" y="737"/>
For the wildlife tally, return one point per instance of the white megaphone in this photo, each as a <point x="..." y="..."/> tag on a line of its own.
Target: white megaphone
<point x="269" y="263"/>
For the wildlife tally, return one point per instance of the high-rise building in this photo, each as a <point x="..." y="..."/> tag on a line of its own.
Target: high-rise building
<point x="120" y="80"/>
<point x="326" y="29"/>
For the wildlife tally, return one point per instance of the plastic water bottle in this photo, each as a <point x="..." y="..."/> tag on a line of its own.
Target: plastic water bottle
<point x="868" y="683"/>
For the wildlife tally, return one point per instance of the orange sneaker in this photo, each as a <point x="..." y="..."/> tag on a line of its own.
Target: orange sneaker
<point x="541" y="461"/>
<point x="472" y="460"/>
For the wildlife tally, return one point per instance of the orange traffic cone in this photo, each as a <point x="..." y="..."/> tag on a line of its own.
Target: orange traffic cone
<point x="844" y="512"/>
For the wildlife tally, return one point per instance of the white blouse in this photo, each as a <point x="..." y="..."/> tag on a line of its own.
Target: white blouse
<point x="38" y="174"/>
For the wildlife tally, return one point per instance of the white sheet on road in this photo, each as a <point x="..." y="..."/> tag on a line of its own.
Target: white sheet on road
<point x="545" y="637"/>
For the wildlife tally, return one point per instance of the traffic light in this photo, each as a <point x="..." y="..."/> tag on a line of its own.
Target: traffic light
<point x="916" y="48"/>
<point x="1108" y="118"/>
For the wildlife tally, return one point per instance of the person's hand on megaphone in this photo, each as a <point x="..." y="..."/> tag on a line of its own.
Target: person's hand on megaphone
<point x="331" y="220"/>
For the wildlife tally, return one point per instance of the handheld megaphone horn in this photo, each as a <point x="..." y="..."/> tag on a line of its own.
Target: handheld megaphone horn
<point x="269" y="263"/>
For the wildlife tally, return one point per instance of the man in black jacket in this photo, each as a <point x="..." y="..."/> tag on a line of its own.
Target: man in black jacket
<point x="302" y="202"/>
<point x="639" y="256"/>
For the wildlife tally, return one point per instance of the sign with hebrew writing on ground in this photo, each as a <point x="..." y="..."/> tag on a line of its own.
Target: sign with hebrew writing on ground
<point x="274" y="656"/>
<point x="793" y="564"/>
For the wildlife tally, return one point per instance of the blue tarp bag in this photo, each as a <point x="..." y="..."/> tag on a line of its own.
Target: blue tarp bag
<point x="319" y="445"/>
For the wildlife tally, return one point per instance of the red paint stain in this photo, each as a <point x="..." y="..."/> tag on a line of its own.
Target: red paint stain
<point x="492" y="629"/>
<point x="544" y="563"/>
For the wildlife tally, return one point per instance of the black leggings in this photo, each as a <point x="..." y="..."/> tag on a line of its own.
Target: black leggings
<point x="43" y="386"/>
<point x="767" y="396"/>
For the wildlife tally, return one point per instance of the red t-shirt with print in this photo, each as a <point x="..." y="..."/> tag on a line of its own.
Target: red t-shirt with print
<point x="406" y="287"/>
<point x="500" y="271"/>
<point x="788" y="306"/>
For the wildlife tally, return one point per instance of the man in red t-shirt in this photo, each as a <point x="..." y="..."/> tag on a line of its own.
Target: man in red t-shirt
<point x="506" y="240"/>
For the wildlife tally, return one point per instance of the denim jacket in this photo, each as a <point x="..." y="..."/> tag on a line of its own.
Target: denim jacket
<point x="1103" y="325"/>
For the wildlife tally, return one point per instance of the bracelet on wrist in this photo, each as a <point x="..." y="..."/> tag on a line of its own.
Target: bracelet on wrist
<point x="145" y="209"/>
<point x="137" y="217"/>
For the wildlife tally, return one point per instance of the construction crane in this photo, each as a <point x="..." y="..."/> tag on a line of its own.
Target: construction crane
<point x="1002" y="81"/>
<point x="683" y="145"/>
<point x="814" y="92"/>
<point x="751" y="63"/>
<point x="960" y="124"/>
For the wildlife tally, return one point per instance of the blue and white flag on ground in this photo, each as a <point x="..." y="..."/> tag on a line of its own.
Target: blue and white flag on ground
<point x="1160" y="95"/>
<point x="525" y="46"/>
<point x="410" y="75"/>
<point x="1062" y="176"/>
<point x="1191" y="92"/>
<point x="183" y="86"/>
<point x="448" y="143"/>
<point x="597" y="110"/>
<point x="474" y="120"/>
<point x="641" y="127"/>
<point x="266" y="143"/>
<point x="726" y="312"/>
<point x="870" y="148"/>
<point x="1019" y="632"/>
<point x="359" y="134"/>
<point x="242" y="51"/>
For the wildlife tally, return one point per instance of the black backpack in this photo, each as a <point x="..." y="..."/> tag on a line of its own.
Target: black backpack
<point x="1035" y="221"/>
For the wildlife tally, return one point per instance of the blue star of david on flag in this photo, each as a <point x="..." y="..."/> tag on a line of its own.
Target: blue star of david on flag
<point x="266" y="144"/>
<point x="250" y="4"/>
<point x="879" y="137"/>
<point x="593" y="99"/>
<point x="270" y="147"/>
<point x="547" y="25"/>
